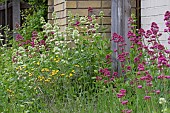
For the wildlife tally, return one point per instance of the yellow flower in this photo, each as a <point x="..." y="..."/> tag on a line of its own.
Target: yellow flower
<point x="56" y="60"/>
<point x="70" y="75"/>
<point x="62" y="74"/>
<point x="73" y="71"/>
<point x="76" y="65"/>
<point x="38" y="63"/>
<point x="30" y="74"/>
<point x="47" y="80"/>
<point x="42" y="77"/>
<point x="45" y="69"/>
<point x="26" y="71"/>
<point x="42" y="70"/>
<point x="10" y="91"/>
<point x="54" y="72"/>
<point x="18" y="68"/>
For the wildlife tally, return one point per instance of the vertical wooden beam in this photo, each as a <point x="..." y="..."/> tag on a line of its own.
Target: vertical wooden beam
<point x="6" y="10"/>
<point x="114" y="29"/>
<point x="126" y="16"/>
<point x="6" y="17"/>
<point x="16" y="14"/>
<point x="119" y="18"/>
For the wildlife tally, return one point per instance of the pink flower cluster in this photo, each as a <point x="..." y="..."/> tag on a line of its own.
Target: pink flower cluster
<point x="31" y="42"/>
<point x="121" y="93"/>
<point x="106" y="75"/>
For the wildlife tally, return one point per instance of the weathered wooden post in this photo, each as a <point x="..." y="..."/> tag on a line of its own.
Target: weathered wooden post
<point x="119" y="20"/>
<point x="6" y="15"/>
<point x="16" y="14"/>
<point x="114" y="28"/>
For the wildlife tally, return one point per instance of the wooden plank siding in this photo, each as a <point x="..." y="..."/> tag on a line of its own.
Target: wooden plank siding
<point x="10" y="14"/>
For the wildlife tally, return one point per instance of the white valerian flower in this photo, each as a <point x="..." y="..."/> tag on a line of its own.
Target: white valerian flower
<point x="76" y="41"/>
<point x="42" y="47"/>
<point x="96" y="25"/>
<point x="83" y="20"/>
<point x="164" y="110"/>
<point x="68" y="42"/>
<point x="24" y="55"/>
<point x="43" y="56"/>
<point x="55" y="49"/>
<point x="101" y="13"/>
<point x="21" y="49"/>
<point x="162" y="100"/>
<point x="75" y="33"/>
<point x="56" y="28"/>
<point x="48" y="26"/>
<point x="42" y="20"/>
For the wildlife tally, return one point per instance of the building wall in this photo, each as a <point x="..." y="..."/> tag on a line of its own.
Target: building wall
<point x="153" y="11"/>
<point x="80" y="7"/>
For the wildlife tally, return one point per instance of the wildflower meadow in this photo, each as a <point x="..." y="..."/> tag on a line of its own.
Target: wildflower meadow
<point x="71" y="71"/>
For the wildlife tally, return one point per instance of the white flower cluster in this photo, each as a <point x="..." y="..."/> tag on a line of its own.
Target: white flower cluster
<point x="162" y="101"/>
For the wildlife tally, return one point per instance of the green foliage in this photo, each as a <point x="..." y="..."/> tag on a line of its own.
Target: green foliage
<point x="70" y="72"/>
<point x="54" y="66"/>
<point x="2" y="1"/>
<point x="31" y="17"/>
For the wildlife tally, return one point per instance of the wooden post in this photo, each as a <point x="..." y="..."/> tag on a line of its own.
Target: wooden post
<point x="114" y="29"/>
<point x="126" y="16"/>
<point x="119" y="18"/>
<point x="6" y="15"/>
<point x="16" y="14"/>
<point x="6" y="10"/>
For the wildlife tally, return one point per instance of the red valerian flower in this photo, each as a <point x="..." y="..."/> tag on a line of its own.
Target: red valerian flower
<point x="19" y="37"/>
<point x="77" y="23"/>
<point x="167" y="77"/>
<point x="120" y="95"/>
<point x="90" y="9"/>
<point x="139" y="86"/>
<point x="123" y="91"/>
<point x="124" y="102"/>
<point x="157" y="91"/>
<point x="141" y="67"/>
<point x="147" y="97"/>
<point x="161" y="47"/>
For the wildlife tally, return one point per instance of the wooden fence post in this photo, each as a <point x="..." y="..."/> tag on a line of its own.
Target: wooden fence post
<point x="16" y="14"/>
<point x="114" y="28"/>
<point x="119" y="18"/>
